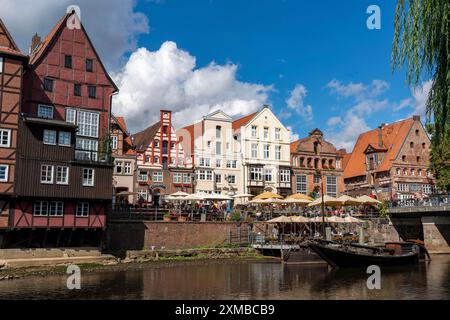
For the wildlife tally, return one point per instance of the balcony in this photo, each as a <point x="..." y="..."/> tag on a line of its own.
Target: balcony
<point x="93" y="157"/>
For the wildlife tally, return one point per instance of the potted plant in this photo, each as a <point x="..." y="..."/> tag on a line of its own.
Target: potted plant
<point x="167" y="217"/>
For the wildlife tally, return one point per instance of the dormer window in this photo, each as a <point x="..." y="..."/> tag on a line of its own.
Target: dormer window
<point x="45" y="111"/>
<point x="48" y="84"/>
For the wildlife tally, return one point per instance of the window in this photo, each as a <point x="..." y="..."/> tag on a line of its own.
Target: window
<point x="88" y="124"/>
<point x="68" y="62"/>
<point x="415" y="187"/>
<point x="71" y="115"/>
<point x="86" y="149"/>
<point x="142" y="176"/>
<point x="49" y="137"/>
<point x="89" y="65"/>
<point x="254" y="131"/>
<point x="427" y="188"/>
<point x="56" y="209"/>
<point x="119" y="167"/>
<point x="218" y="163"/>
<point x="301" y="184"/>
<point x="419" y="172"/>
<point x="157" y="176"/>
<point x="77" y="90"/>
<point x="266" y="133"/>
<point x="423" y="145"/>
<point x="82" y="209"/>
<point x="172" y="145"/>
<point x="418" y="159"/>
<point x="48" y="84"/>
<point x="64" y="138"/>
<point x="4" y="168"/>
<point x="231" y="164"/>
<point x="411" y="144"/>
<point x="256" y="174"/>
<point x="268" y="175"/>
<point x="285" y="175"/>
<point x="47" y="174"/>
<point x="278" y="153"/>
<point x="413" y="172"/>
<point x="1" y="64"/>
<point x="40" y="208"/>
<point x="155" y="159"/>
<point x="254" y="150"/>
<point x="209" y="175"/>
<point x="403" y="158"/>
<point x="398" y="171"/>
<point x="5" y="138"/>
<point x="277" y="134"/>
<point x="92" y="92"/>
<point x="142" y="194"/>
<point x="114" y="142"/>
<point x="186" y="178"/>
<point x="88" y="177"/>
<point x="266" y="151"/>
<point x="218" y="178"/>
<point x="209" y="144"/>
<point x="405" y="172"/>
<point x="417" y="132"/>
<point x="156" y="143"/>
<point x="62" y="175"/>
<point x="218" y="132"/>
<point x="331" y="186"/>
<point x="218" y="148"/>
<point x="127" y="168"/>
<point x="403" y="187"/>
<point x="231" y="179"/>
<point x="177" y="177"/>
<point x="428" y="173"/>
<point x="316" y="179"/>
<point x="205" y="162"/>
<point x="45" y="111"/>
<point x="205" y="175"/>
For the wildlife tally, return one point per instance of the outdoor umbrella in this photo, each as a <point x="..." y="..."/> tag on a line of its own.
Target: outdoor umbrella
<point x="268" y="195"/>
<point x="349" y="201"/>
<point x="126" y="193"/>
<point x="350" y="219"/>
<point x="179" y="194"/>
<point x="300" y="196"/>
<point x="300" y="219"/>
<point x="327" y="200"/>
<point x="368" y="200"/>
<point x="280" y="219"/>
<point x="242" y="195"/>
<point x="335" y="219"/>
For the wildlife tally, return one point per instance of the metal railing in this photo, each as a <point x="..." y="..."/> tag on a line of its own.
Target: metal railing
<point x="93" y="156"/>
<point x="432" y="201"/>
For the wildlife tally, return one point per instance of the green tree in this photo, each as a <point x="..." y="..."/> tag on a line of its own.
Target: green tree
<point x="422" y="44"/>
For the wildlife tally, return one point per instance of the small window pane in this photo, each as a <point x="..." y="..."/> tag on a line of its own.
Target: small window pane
<point x="49" y="137"/>
<point x="89" y="65"/>
<point x="68" y="62"/>
<point x="48" y="85"/>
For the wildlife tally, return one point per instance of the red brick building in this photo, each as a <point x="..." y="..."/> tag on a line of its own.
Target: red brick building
<point x="391" y="162"/>
<point x="162" y="165"/>
<point x="313" y="158"/>
<point x="64" y="170"/>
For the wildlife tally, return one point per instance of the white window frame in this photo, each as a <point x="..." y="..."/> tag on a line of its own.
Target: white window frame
<point x="84" y="206"/>
<point x="58" y="207"/>
<point x="43" y="208"/>
<point x="62" y="133"/>
<point x="45" y="107"/>
<point x="217" y="178"/>
<point x="52" y="172"/>
<point x="277" y="134"/>
<point x="231" y="179"/>
<point x="266" y="151"/>
<point x="285" y="175"/>
<point x="89" y="182"/>
<point x="277" y="152"/>
<point x="6" y="168"/>
<point x="254" y="131"/>
<point x="142" y="176"/>
<point x="88" y="123"/>
<point x="46" y="133"/>
<point x="62" y="169"/>
<point x="268" y="175"/>
<point x="7" y="133"/>
<point x="254" y="150"/>
<point x="158" y="176"/>
<point x="331" y="184"/>
<point x="177" y="177"/>
<point x="86" y="149"/>
<point x="186" y="178"/>
<point x="1" y="64"/>
<point x="257" y="174"/>
<point x="218" y="163"/>
<point x="114" y="142"/>
<point x="71" y="115"/>
<point x="302" y="183"/>
<point x="127" y="167"/>
<point x="266" y="133"/>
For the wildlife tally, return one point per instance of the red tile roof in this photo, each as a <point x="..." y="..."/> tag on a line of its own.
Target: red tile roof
<point x="393" y="136"/>
<point x="12" y="49"/>
<point x="294" y="145"/>
<point x="143" y="139"/>
<point x="237" y="124"/>
<point x="12" y="52"/>
<point x="121" y="123"/>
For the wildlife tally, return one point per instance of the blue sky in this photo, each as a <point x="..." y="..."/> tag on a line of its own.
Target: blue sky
<point x="315" y="62"/>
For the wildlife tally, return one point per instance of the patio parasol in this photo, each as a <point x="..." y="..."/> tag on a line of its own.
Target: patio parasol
<point x="268" y="195"/>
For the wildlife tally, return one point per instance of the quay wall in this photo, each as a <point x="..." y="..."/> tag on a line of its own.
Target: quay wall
<point x="139" y="235"/>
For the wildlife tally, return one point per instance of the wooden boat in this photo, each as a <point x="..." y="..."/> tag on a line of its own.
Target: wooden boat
<point x="357" y="256"/>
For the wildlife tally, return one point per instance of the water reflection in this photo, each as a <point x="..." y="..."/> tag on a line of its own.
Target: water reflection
<point x="241" y="280"/>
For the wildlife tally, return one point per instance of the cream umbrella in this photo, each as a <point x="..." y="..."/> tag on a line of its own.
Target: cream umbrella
<point x="256" y="201"/>
<point x="281" y="219"/>
<point x="268" y="195"/>
<point x="300" y="196"/>
<point x="300" y="219"/>
<point x="179" y="194"/>
<point x="327" y="200"/>
<point x="349" y="201"/>
<point x="368" y="200"/>
<point x="317" y="219"/>
<point x="351" y="219"/>
<point x="335" y="219"/>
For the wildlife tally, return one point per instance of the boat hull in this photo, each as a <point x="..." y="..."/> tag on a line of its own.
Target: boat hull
<point x="347" y="259"/>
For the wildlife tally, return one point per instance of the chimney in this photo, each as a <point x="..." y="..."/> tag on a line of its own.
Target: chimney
<point x="380" y="135"/>
<point x="35" y="42"/>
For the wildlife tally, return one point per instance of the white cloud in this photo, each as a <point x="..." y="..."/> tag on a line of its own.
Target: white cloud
<point x="358" y="91"/>
<point x="334" y="121"/>
<point x="168" y="79"/>
<point x="295" y="101"/>
<point x="420" y="97"/>
<point x="294" y="136"/>
<point x="345" y="135"/>
<point x="113" y="25"/>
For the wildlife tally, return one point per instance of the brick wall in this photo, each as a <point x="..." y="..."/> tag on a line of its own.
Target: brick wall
<point x="133" y="235"/>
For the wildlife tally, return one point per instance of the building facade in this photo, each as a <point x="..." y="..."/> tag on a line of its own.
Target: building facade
<point x="264" y="143"/>
<point x="162" y="166"/>
<point x="64" y="168"/>
<point x="391" y="162"/>
<point x="314" y="159"/>
<point x="124" y="175"/>
<point x="215" y="153"/>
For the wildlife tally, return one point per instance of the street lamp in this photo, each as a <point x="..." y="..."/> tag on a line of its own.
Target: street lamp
<point x="319" y="173"/>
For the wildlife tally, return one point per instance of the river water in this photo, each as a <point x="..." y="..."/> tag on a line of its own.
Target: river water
<point x="240" y="280"/>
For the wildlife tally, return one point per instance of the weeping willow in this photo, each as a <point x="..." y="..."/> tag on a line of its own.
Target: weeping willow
<point x="422" y="45"/>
